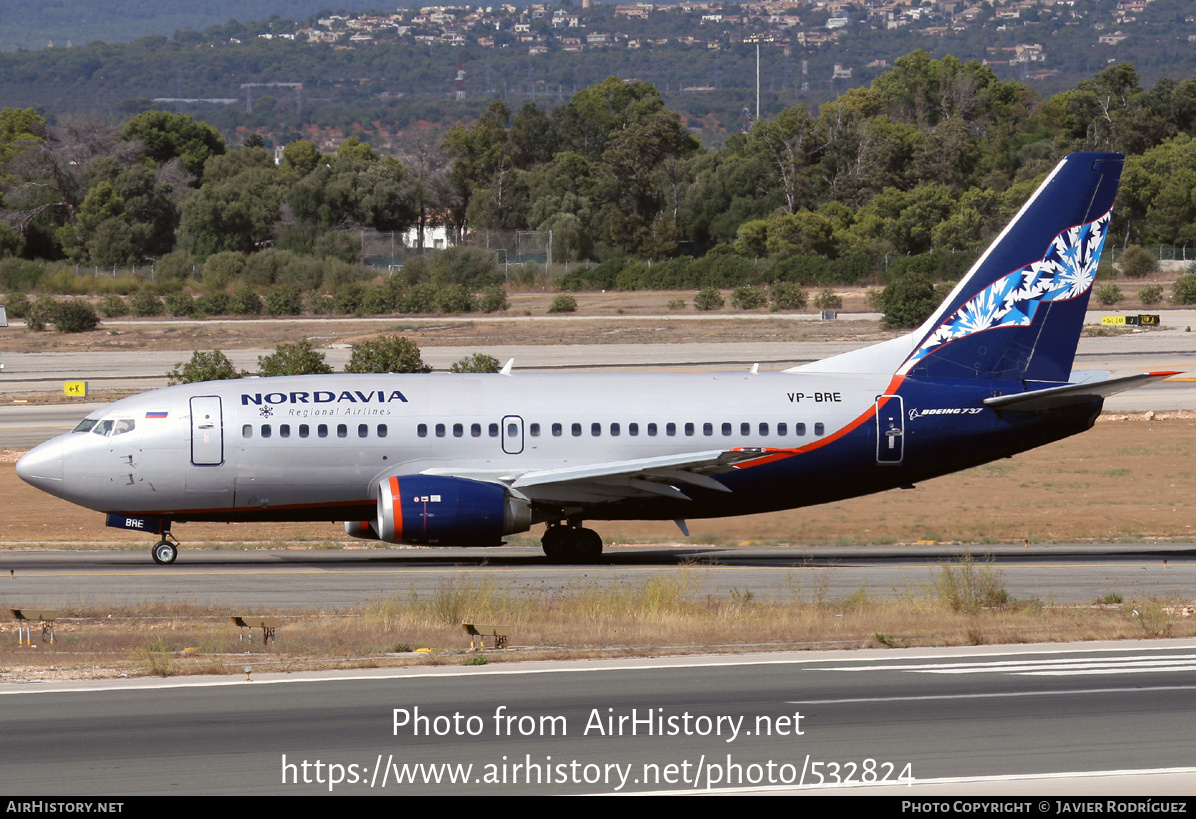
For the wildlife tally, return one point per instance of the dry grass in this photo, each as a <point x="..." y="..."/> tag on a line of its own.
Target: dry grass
<point x="962" y="604"/>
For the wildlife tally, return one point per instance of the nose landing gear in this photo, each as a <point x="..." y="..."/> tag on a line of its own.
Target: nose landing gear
<point x="165" y="550"/>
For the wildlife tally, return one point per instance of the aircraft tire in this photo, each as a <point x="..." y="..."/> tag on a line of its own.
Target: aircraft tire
<point x="587" y="546"/>
<point x="164" y="552"/>
<point x="555" y="543"/>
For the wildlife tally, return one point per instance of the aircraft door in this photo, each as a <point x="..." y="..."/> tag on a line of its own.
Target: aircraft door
<point x="512" y="434"/>
<point x="890" y="429"/>
<point x="207" y="431"/>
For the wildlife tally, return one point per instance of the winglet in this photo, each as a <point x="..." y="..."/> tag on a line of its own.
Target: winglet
<point x="506" y="368"/>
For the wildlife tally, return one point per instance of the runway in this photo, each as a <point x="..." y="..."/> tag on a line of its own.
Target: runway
<point x="281" y="579"/>
<point x="1097" y="719"/>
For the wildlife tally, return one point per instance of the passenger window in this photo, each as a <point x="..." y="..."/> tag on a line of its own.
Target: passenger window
<point x="799" y="429"/>
<point x="689" y="428"/>
<point x="556" y="430"/>
<point x="265" y="430"/>
<point x="819" y="429"/>
<point x="247" y="431"/>
<point x="782" y="429"/>
<point x="614" y="429"/>
<point x="493" y="430"/>
<point x="342" y="431"/>
<point x="475" y="430"/>
<point x="633" y="429"/>
<point x="763" y="428"/>
<point x="707" y="428"/>
<point x="651" y="429"/>
<point x="322" y="430"/>
<point x="363" y="430"/>
<point x="382" y="430"/>
<point x="440" y="430"/>
<point x="284" y="430"/>
<point x="576" y="430"/>
<point x="458" y="430"/>
<point x="726" y="428"/>
<point x="421" y="431"/>
<point x="512" y="430"/>
<point x="304" y="430"/>
<point x="745" y="428"/>
<point x="534" y="430"/>
<point x="595" y="429"/>
<point x="670" y="428"/>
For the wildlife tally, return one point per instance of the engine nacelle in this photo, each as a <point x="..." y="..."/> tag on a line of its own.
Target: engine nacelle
<point x="437" y="510"/>
<point x="363" y="529"/>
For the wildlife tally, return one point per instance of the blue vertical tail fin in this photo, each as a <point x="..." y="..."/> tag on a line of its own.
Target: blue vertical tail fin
<point x="1018" y="313"/>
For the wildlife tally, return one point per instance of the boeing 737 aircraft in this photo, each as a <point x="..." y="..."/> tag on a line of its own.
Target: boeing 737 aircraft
<point x="462" y="460"/>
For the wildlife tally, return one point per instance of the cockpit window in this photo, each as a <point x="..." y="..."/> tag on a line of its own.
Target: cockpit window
<point x="124" y="425"/>
<point x="85" y="425"/>
<point x="103" y="427"/>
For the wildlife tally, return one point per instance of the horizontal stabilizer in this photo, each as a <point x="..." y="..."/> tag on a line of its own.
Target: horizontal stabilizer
<point x="1069" y="394"/>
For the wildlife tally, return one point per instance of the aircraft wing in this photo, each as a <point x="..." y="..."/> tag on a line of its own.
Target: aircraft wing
<point x="617" y="480"/>
<point x="1055" y="397"/>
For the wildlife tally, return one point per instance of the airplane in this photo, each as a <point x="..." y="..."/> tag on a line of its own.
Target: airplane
<point x="465" y="459"/>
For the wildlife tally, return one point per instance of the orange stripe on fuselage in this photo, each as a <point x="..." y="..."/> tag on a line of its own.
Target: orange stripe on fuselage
<point x="396" y="508"/>
<point x="782" y="454"/>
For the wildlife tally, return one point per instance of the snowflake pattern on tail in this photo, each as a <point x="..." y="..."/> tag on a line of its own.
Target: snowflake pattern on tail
<point x="1068" y="270"/>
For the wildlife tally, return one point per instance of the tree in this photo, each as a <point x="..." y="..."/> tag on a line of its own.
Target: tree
<point x="293" y="359"/>
<point x="388" y="354"/>
<point x="165" y="136"/>
<point x="476" y="363"/>
<point x="204" y="366"/>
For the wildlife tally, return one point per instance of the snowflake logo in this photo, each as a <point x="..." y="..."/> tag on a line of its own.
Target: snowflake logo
<point x="266" y="411"/>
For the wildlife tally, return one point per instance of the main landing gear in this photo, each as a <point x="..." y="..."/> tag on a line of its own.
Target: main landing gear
<point x="165" y="550"/>
<point x="570" y="543"/>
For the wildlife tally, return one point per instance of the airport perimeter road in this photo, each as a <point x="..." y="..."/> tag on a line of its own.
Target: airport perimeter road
<point x="1104" y="719"/>
<point x="280" y="579"/>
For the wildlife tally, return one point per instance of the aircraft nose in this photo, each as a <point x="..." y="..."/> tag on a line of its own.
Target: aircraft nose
<point x="42" y="464"/>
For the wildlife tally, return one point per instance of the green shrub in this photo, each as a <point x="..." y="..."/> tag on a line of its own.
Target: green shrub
<point x="17" y="305"/>
<point x="1108" y="294"/>
<point x="494" y="300"/>
<point x="180" y="304"/>
<point x="1183" y="291"/>
<point x="749" y="297"/>
<point x="455" y="298"/>
<point x="828" y="300"/>
<point x="245" y="303"/>
<point x="1150" y="294"/>
<point x="419" y="298"/>
<point x="1136" y="262"/>
<point x="563" y="303"/>
<point x="145" y="303"/>
<point x="676" y="304"/>
<point x="908" y="301"/>
<point x="388" y="354"/>
<point x="293" y="359"/>
<point x="348" y="297"/>
<point x="378" y="301"/>
<point x="284" y="300"/>
<point x="213" y="304"/>
<point x="75" y="316"/>
<point x="476" y="363"/>
<point x="113" y="306"/>
<point x="709" y="299"/>
<point x="203" y="366"/>
<point x="788" y="296"/>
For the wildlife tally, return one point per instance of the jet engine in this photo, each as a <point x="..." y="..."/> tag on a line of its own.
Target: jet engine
<point x="444" y="511"/>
